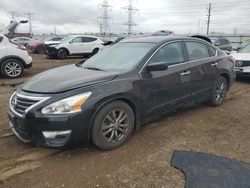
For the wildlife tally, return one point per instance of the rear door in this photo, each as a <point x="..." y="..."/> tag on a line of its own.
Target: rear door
<point x="203" y="67"/>
<point x="89" y="44"/>
<point x="165" y="90"/>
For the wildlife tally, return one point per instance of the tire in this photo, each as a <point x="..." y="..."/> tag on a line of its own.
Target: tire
<point x="108" y="134"/>
<point x="219" y="91"/>
<point x="62" y="53"/>
<point x="95" y="51"/>
<point x="40" y="50"/>
<point x="12" y="68"/>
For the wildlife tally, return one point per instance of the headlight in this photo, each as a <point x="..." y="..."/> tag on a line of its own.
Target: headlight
<point x="67" y="106"/>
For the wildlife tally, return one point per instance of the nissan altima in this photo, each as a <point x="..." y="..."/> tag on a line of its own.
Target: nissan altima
<point x="106" y="98"/>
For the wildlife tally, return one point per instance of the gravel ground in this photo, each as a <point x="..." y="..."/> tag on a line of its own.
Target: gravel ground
<point x="142" y="162"/>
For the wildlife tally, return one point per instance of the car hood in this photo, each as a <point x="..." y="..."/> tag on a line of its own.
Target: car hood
<point x="66" y="78"/>
<point x="242" y="56"/>
<point x="52" y="42"/>
<point x="37" y="42"/>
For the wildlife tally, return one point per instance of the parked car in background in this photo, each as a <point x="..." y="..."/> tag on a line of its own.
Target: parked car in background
<point x="115" y="92"/>
<point x="22" y="40"/>
<point x="222" y="43"/>
<point x="37" y="46"/>
<point x="163" y="33"/>
<point x="14" y="58"/>
<point x="242" y="64"/>
<point x="75" y="45"/>
<point x="243" y="44"/>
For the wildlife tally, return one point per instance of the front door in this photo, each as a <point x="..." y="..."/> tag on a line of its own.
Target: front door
<point x="76" y="45"/>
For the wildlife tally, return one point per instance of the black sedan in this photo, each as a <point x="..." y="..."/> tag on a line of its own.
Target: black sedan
<point x="118" y="90"/>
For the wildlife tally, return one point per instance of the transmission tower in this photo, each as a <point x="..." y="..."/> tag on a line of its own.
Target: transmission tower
<point x="130" y="10"/>
<point x="106" y="8"/>
<point x="209" y="17"/>
<point x="12" y="14"/>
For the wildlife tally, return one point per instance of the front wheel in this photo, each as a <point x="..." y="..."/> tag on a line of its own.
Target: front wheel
<point x="219" y="91"/>
<point x="12" y="68"/>
<point x="62" y="53"/>
<point x="113" y="125"/>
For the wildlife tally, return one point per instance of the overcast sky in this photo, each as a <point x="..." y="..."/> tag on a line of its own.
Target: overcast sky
<point x="180" y="16"/>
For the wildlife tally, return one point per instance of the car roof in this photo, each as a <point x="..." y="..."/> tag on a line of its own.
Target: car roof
<point x="156" y="39"/>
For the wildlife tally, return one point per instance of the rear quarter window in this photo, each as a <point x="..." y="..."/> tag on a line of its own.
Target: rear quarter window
<point x="197" y="50"/>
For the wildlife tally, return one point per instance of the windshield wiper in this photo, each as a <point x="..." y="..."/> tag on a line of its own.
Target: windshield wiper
<point x="93" y="68"/>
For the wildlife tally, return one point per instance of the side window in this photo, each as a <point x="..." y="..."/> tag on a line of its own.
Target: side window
<point x="171" y="54"/>
<point x="1" y="38"/>
<point x="212" y="50"/>
<point x="89" y="39"/>
<point x="197" y="50"/>
<point x="77" y="40"/>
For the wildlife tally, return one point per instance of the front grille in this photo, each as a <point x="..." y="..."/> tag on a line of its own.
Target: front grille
<point x="21" y="104"/>
<point x="242" y="63"/>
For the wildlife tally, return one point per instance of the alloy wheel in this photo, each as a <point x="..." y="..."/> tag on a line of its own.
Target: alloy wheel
<point x="220" y="91"/>
<point x="13" y="69"/>
<point x="115" y="125"/>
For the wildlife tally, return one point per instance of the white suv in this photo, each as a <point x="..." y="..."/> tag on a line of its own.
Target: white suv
<point x="75" y="45"/>
<point x="14" y="58"/>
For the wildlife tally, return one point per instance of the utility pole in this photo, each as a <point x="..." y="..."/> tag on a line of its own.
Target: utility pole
<point x="130" y="10"/>
<point x="209" y="18"/>
<point x="106" y="8"/>
<point x="30" y="24"/>
<point x="199" y="23"/>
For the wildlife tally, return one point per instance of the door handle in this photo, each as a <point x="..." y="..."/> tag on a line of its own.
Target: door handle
<point x="214" y="64"/>
<point x="185" y="73"/>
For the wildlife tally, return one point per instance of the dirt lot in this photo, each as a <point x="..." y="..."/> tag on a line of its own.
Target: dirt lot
<point x="142" y="162"/>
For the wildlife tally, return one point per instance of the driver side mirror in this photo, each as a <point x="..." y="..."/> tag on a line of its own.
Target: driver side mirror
<point x="70" y="41"/>
<point x="161" y="66"/>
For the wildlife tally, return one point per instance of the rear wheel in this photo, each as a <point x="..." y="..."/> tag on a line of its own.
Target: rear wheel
<point x="62" y="53"/>
<point x="113" y="125"/>
<point x="219" y="91"/>
<point x="12" y="68"/>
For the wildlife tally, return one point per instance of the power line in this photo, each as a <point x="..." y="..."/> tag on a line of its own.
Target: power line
<point x="130" y="10"/>
<point x="209" y="17"/>
<point x="104" y="26"/>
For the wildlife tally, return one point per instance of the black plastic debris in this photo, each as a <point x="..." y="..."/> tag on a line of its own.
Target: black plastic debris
<point x="209" y="171"/>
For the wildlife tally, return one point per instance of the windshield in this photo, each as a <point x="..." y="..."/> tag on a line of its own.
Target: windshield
<point x="245" y="49"/>
<point x="120" y="57"/>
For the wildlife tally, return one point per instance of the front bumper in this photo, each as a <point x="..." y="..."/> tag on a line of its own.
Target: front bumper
<point x="242" y="71"/>
<point x="52" y="131"/>
<point x="50" y="51"/>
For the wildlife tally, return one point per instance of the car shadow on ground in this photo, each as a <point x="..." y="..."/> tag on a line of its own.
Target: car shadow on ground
<point x="243" y="79"/>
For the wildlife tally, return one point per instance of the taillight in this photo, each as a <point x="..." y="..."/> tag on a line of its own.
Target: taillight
<point x="21" y="48"/>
